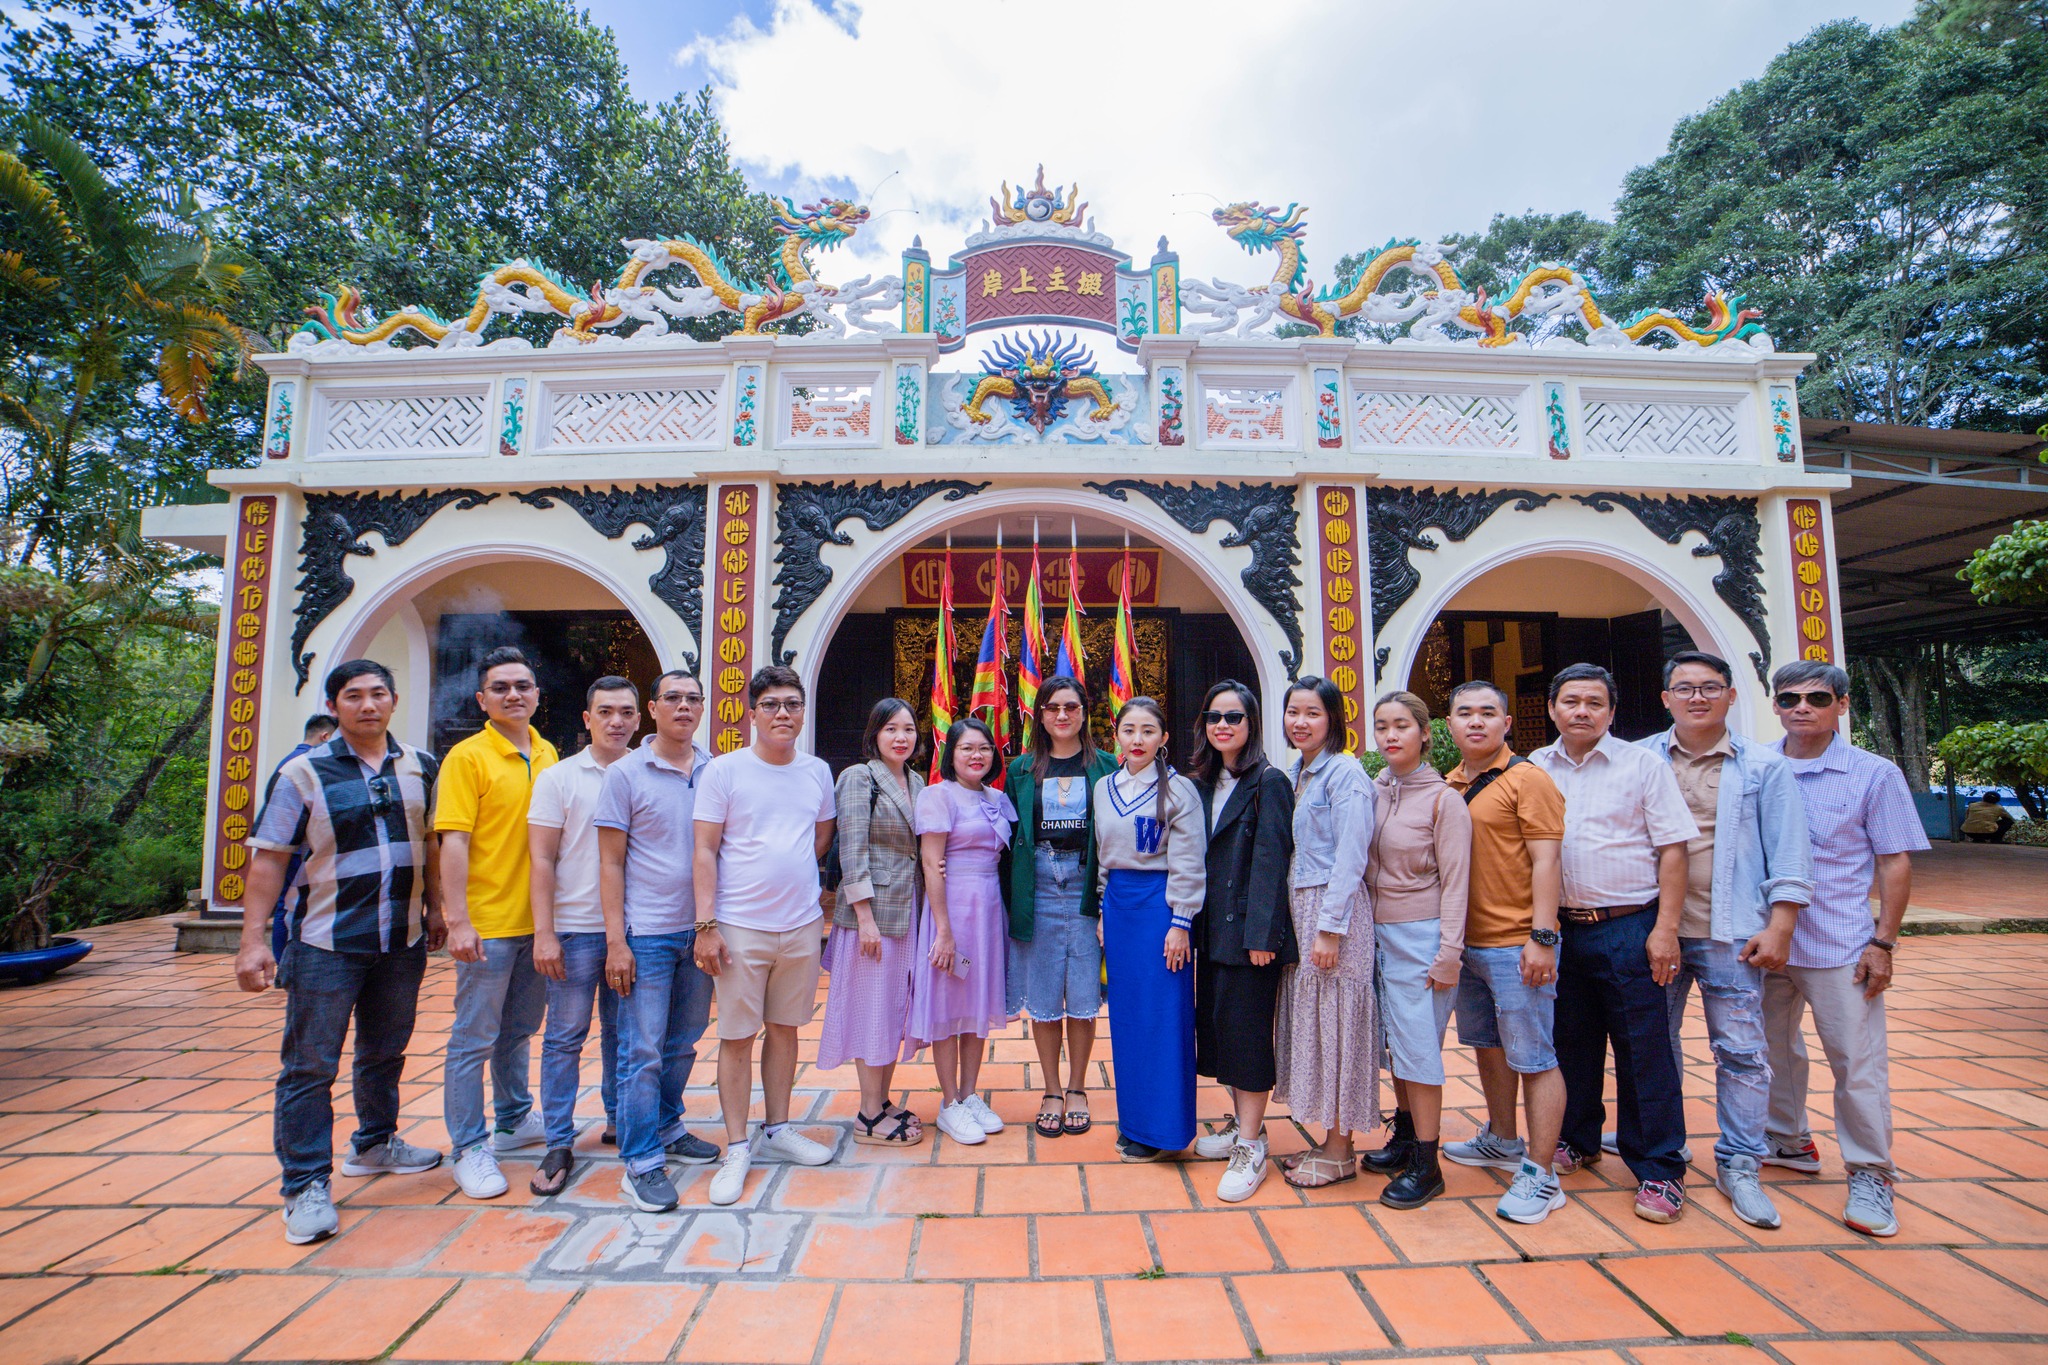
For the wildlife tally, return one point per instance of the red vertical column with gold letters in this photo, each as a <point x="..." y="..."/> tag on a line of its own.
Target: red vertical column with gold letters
<point x="1344" y="641"/>
<point x="244" y="609"/>
<point x="1815" y="616"/>
<point x="737" y="517"/>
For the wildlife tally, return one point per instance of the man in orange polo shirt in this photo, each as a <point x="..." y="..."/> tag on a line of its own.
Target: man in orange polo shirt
<point x="480" y="814"/>
<point x="1507" y="990"/>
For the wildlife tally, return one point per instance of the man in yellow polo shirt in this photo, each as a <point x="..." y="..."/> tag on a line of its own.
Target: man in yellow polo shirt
<point x="480" y="814"/>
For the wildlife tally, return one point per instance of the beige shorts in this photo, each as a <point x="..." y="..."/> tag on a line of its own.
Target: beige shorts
<point x="771" y="978"/>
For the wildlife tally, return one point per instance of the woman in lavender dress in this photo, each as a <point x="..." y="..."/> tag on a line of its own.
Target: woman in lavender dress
<point x="956" y="992"/>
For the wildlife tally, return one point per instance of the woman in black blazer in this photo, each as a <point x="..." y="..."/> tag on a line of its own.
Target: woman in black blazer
<point x="1245" y="933"/>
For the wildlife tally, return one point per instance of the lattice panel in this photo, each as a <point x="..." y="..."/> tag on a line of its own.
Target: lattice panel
<point x="1244" y="416"/>
<point x="426" y="422"/>
<point x="1439" y="420"/>
<point x="1617" y="427"/>
<point x="634" y="417"/>
<point x="822" y="414"/>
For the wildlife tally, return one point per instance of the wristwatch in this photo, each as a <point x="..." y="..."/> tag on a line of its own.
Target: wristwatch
<point x="1546" y="938"/>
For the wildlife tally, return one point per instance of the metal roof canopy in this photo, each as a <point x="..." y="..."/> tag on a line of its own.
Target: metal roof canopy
<point x="1921" y="501"/>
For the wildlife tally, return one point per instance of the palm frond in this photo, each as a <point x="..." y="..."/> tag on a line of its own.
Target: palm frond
<point x="193" y="343"/>
<point x="16" y="271"/>
<point x="36" y="205"/>
<point x="89" y="187"/>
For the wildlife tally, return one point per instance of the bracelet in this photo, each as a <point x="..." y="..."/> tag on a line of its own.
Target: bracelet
<point x="706" y="925"/>
<point x="1891" y="947"/>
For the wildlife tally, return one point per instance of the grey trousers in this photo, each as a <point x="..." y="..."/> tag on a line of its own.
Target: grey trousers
<point x="1852" y="1036"/>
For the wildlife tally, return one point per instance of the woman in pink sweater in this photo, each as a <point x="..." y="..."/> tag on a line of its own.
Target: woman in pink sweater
<point x="1421" y="854"/>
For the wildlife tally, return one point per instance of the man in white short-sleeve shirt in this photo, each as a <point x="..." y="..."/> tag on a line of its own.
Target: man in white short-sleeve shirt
<point x="765" y="815"/>
<point x="568" y="922"/>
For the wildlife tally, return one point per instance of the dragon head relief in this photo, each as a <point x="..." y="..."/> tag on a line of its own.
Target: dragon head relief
<point x="1038" y="204"/>
<point x="1037" y="377"/>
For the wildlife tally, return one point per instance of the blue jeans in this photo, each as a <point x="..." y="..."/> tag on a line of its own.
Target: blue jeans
<point x="498" y="1007"/>
<point x="561" y="1047"/>
<point x="659" y="1025"/>
<point x="1605" y="994"/>
<point x="382" y="991"/>
<point x="1732" y="995"/>
<point x="1495" y="1009"/>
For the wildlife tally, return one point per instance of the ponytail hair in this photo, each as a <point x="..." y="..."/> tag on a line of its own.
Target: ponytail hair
<point x="1160" y="772"/>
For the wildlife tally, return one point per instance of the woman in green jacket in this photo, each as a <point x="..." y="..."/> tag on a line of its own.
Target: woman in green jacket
<point x="1054" y="953"/>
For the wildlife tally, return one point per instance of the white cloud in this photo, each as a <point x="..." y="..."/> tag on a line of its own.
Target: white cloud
<point x="1386" y="119"/>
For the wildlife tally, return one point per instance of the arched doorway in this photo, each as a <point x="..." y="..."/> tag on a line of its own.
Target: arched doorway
<point x="883" y="642"/>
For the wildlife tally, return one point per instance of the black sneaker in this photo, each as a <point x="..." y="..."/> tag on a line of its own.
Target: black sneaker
<point x="553" y="1175"/>
<point x="651" y="1191"/>
<point x="1138" y="1151"/>
<point x="692" y="1149"/>
<point x="610" y="1136"/>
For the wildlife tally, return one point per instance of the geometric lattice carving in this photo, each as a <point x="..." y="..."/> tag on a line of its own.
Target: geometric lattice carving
<point x="1438" y="420"/>
<point x="436" y="421"/>
<point x="830" y="414"/>
<point x="634" y="417"/>
<point x="1244" y="416"/>
<point x="1619" y="427"/>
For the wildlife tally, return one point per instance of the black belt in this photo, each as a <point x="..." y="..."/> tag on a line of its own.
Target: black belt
<point x="1600" y="914"/>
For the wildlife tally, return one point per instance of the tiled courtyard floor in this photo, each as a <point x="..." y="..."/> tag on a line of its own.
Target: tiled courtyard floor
<point x="138" y="1221"/>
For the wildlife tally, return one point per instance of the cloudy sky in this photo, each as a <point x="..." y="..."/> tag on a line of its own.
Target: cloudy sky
<point x="1385" y="119"/>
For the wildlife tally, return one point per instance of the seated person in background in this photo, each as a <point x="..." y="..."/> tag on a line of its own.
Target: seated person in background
<point x="1985" y="821"/>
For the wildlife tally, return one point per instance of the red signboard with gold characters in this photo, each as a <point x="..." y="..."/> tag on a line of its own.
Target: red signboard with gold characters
<point x="245" y="600"/>
<point x="1816" y="623"/>
<point x="736" y="515"/>
<point x="1344" y="628"/>
<point x="974" y="575"/>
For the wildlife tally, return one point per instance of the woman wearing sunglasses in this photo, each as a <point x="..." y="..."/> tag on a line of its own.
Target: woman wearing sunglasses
<point x="1054" y="956"/>
<point x="1245" y="933"/>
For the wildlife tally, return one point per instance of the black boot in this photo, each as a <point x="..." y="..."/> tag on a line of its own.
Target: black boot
<point x="1419" y="1182"/>
<point x="1394" y="1156"/>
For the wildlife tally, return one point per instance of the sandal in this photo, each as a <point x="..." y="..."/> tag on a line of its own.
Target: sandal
<point x="552" y="1177"/>
<point x="904" y="1131"/>
<point x="1049" y="1124"/>
<point x="1077" y="1120"/>
<point x="1315" y="1170"/>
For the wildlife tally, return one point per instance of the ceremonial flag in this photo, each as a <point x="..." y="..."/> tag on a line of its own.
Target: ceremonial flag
<point x="1073" y="660"/>
<point x="942" y="666"/>
<point x="1124" y="648"/>
<point x="989" y="697"/>
<point x="1028" y="676"/>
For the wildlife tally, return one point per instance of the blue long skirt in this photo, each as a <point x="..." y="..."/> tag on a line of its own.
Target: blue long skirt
<point x="1151" y="1014"/>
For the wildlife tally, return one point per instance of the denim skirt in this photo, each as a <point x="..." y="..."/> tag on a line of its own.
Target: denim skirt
<point x="1058" y="974"/>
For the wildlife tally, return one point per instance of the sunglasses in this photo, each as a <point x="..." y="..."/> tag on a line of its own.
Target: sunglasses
<point x="1223" y="718"/>
<point x="382" y="797"/>
<point x="1817" y="700"/>
<point x="1060" y="708"/>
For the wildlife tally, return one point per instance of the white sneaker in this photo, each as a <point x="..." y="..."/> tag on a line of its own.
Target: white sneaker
<point x="730" y="1181"/>
<point x="1217" y="1145"/>
<point x="531" y="1132"/>
<point x="983" y="1115"/>
<point x="957" y="1122"/>
<point x="1245" y="1173"/>
<point x="477" y="1174"/>
<point x="789" y="1144"/>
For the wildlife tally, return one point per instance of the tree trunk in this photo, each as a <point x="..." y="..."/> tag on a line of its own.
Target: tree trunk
<point x="1897" y="692"/>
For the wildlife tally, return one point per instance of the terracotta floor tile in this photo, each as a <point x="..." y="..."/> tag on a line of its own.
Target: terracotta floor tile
<point x="1847" y="1353"/>
<point x="1570" y="1301"/>
<point x="1173" y="1319"/>
<point x="23" y="1180"/>
<point x="1985" y="1212"/>
<point x="1036" y="1189"/>
<point x="932" y="1189"/>
<point x="897" y="1324"/>
<point x="218" y="1180"/>
<point x="19" y="1296"/>
<point x="1440" y="1306"/>
<point x="2024" y="1158"/>
<point x="1197" y="1243"/>
<point x="624" y="1322"/>
<point x="1327" y="1235"/>
<point x="391" y="1239"/>
<point x="753" y="1244"/>
<point x="57" y="1235"/>
<point x="1317" y="1311"/>
<point x="974" y="1249"/>
<point x="1983" y="1352"/>
<point x="1132" y="1188"/>
<point x="1574" y="1230"/>
<point x="1718" y="1354"/>
<point x="827" y="1189"/>
<point x="503" y="1240"/>
<point x="2027" y="1269"/>
<point x="220" y="1321"/>
<point x="1698" y="1230"/>
<point x="1447" y="1230"/>
<point x="14" y="1128"/>
<point x="856" y="1249"/>
<point x="85" y="1135"/>
<point x="171" y="1238"/>
<point x="487" y="1320"/>
<point x="260" y="1245"/>
<point x="1035" y="1324"/>
<point x="759" y="1324"/>
<point x="1698" y="1296"/>
<point x="179" y="1133"/>
<point x="73" y="1327"/>
<point x="355" y="1320"/>
<point x="121" y="1182"/>
<point x="1828" y="1293"/>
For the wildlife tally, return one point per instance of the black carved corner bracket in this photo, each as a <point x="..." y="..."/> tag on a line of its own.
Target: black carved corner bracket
<point x="1262" y="516"/>
<point x="674" y="517"/>
<point x="808" y="517"/>
<point x="1395" y="521"/>
<point x="333" y="529"/>
<point x="1732" y="532"/>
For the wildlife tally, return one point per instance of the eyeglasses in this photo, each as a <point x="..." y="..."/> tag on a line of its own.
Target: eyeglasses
<point x="382" y="797"/>
<point x="1061" y="708"/>
<point x="780" y="706"/>
<point x="1817" y="700"/>
<point x="681" y="699"/>
<point x="517" y="689"/>
<point x="1704" y="691"/>
<point x="1223" y="718"/>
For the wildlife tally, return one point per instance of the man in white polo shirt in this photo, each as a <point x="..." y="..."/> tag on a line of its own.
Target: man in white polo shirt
<point x="568" y="922"/>
<point x="765" y="815"/>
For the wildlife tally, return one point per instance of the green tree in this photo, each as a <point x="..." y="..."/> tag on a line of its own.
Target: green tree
<point x="2012" y="571"/>
<point x="2003" y="754"/>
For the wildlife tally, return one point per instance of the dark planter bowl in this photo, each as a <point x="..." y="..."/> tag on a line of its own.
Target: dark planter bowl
<point x="27" y="968"/>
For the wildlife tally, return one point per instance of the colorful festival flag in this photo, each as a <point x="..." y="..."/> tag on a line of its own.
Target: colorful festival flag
<point x="1124" y="649"/>
<point x="989" y="697"/>
<point x="1073" y="660"/>
<point x="942" y="666"/>
<point x="1028" y="676"/>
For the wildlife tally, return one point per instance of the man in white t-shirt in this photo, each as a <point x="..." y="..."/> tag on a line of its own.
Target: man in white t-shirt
<point x="764" y="815"/>
<point x="568" y="922"/>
